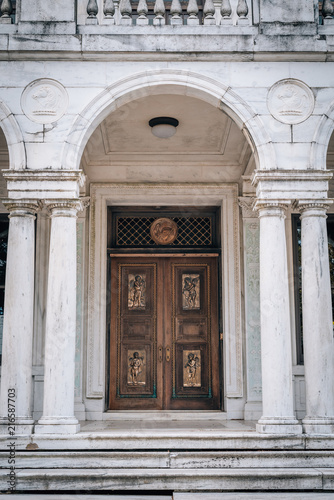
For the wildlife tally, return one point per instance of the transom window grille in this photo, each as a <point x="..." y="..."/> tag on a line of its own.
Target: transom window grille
<point x="192" y="231"/>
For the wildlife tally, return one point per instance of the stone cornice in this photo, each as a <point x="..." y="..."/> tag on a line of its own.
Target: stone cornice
<point x="44" y="175"/>
<point x="216" y="42"/>
<point x="290" y="175"/>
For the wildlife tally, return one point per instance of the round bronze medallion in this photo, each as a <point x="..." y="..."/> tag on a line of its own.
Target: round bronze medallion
<point x="163" y="231"/>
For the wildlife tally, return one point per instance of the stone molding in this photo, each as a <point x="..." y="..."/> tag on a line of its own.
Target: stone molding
<point x="224" y="195"/>
<point x="14" y="138"/>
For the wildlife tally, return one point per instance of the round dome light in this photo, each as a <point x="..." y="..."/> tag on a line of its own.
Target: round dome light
<point x="163" y="126"/>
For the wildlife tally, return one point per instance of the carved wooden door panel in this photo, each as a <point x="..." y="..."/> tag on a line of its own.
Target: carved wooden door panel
<point x="191" y="327"/>
<point x="164" y="333"/>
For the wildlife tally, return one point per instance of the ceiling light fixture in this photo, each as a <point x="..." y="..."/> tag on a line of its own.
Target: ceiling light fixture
<point x="163" y="126"/>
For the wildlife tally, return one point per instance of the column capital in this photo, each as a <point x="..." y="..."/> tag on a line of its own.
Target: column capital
<point x="246" y="204"/>
<point x="271" y="208"/>
<point x="313" y="208"/>
<point x="22" y="207"/>
<point x="64" y="207"/>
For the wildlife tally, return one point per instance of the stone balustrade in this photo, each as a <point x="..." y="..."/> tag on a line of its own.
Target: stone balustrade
<point x="175" y="12"/>
<point x="162" y="12"/>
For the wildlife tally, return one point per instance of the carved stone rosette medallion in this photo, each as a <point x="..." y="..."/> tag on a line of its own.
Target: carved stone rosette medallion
<point x="290" y="101"/>
<point x="163" y="231"/>
<point x="44" y="101"/>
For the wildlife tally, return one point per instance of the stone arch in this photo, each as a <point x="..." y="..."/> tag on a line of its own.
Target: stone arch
<point x="14" y="138"/>
<point x="321" y="139"/>
<point x="181" y="82"/>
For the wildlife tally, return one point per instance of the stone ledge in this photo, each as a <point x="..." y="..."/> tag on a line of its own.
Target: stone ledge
<point x="170" y="459"/>
<point x="182" y="42"/>
<point x="166" y="479"/>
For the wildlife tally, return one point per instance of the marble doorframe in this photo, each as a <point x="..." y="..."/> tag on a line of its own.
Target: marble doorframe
<point x="223" y="195"/>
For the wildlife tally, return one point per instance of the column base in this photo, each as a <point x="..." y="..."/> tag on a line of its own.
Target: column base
<point x="278" y="425"/>
<point x="22" y="426"/>
<point x="318" y="425"/>
<point x="57" y="425"/>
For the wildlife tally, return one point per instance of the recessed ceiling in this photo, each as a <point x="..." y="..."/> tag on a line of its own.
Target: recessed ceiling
<point x="206" y="140"/>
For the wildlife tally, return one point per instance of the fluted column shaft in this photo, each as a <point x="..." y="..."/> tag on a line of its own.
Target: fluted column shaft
<point x="276" y="359"/>
<point x="58" y="408"/>
<point x="16" y="371"/>
<point x="317" y="320"/>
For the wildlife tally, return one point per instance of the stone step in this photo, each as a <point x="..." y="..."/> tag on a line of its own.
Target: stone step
<point x="171" y="479"/>
<point x="172" y="459"/>
<point x="182" y="496"/>
<point x="185" y="439"/>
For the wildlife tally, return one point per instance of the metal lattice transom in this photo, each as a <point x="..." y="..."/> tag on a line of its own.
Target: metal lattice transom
<point x="135" y="231"/>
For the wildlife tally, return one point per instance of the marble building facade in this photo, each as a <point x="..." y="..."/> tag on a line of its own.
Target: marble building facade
<point x="251" y="84"/>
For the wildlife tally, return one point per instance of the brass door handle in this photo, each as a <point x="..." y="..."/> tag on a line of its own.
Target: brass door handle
<point x="160" y="353"/>
<point x="168" y="353"/>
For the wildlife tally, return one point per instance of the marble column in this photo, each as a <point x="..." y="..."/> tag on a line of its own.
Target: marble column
<point x="16" y="370"/>
<point x="317" y="319"/>
<point x="59" y="363"/>
<point x="276" y="358"/>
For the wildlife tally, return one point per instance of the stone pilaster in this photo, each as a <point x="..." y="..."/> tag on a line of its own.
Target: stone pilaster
<point x="58" y="408"/>
<point x="277" y="393"/>
<point x="16" y="372"/>
<point x="317" y="319"/>
<point x="251" y="246"/>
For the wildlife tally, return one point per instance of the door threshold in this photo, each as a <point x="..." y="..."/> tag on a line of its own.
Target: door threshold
<point x="164" y="415"/>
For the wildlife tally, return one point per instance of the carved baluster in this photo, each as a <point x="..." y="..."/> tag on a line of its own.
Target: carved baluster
<point x="192" y="10"/>
<point x="142" y="10"/>
<point x="209" y="12"/>
<point x="92" y="11"/>
<point x="176" y="11"/>
<point x="126" y="12"/>
<point x="327" y="9"/>
<point x="159" y="11"/>
<point x="226" y="12"/>
<point x="242" y="11"/>
<point x="108" y="11"/>
<point x="6" y="10"/>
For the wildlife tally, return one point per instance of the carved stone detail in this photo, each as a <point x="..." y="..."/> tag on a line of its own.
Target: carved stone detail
<point x="44" y="101"/>
<point x="246" y="204"/>
<point x="290" y="101"/>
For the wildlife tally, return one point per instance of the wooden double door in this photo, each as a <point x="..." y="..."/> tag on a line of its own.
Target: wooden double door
<point x="164" y="341"/>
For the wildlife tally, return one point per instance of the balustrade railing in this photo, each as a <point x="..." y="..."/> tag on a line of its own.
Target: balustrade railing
<point x="326" y="11"/>
<point x="7" y="11"/>
<point x="173" y="12"/>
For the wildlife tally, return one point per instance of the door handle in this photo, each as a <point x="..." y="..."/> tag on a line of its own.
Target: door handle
<point x="160" y="353"/>
<point x="168" y="353"/>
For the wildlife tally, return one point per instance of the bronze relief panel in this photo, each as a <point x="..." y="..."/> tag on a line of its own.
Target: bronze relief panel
<point x="192" y="368"/>
<point x="191" y="291"/>
<point x="137" y="291"/>
<point x="136" y="368"/>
